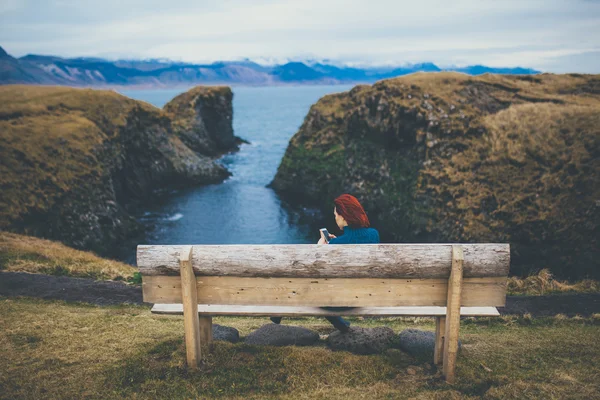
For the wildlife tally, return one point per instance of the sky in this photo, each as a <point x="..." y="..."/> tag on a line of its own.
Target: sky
<point x="550" y="35"/>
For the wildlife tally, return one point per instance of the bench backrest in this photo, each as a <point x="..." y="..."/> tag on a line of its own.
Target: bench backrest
<point x="362" y="275"/>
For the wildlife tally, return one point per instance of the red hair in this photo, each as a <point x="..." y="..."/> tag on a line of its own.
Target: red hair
<point x="353" y="212"/>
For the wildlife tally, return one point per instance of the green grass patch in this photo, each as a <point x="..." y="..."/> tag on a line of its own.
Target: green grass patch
<point x="29" y="254"/>
<point x="52" y="349"/>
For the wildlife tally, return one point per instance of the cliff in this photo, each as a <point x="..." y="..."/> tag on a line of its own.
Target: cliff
<point x="73" y="161"/>
<point x="447" y="157"/>
<point x="202" y="119"/>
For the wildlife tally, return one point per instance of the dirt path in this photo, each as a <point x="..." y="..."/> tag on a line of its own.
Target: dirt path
<point x="68" y="289"/>
<point x="583" y="304"/>
<point x="107" y="292"/>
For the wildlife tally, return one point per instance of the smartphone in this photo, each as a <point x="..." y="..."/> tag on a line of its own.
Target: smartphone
<point x="326" y="234"/>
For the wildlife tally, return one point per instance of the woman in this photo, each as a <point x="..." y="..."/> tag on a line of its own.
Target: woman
<point x="350" y="217"/>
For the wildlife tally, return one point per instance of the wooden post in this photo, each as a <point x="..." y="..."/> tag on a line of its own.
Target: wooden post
<point x="189" y="299"/>
<point x="205" y="332"/>
<point x="453" y="314"/>
<point x="440" y="331"/>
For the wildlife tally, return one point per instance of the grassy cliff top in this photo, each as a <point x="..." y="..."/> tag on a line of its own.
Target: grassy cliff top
<point x="30" y="254"/>
<point x="184" y="104"/>
<point x="449" y="87"/>
<point x="474" y="95"/>
<point x="49" y="140"/>
<point x="104" y="107"/>
<point x="542" y="84"/>
<point x="187" y="98"/>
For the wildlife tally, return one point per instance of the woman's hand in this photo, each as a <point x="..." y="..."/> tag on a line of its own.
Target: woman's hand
<point x="322" y="239"/>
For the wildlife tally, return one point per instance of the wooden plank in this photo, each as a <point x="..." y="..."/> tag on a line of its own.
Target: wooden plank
<point x="341" y="292"/>
<point x="190" y="317"/>
<point x="206" y="336"/>
<point x="284" y="311"/>
<point x="453" y="315"/>
<point x="440" y="330"/>
<point x="314" y="261"/>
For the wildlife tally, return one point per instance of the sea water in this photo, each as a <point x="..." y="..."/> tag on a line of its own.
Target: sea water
<point x="241" y="210"/>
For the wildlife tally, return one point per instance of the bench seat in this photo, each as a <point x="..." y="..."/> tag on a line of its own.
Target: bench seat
<point x="282" y="311"/>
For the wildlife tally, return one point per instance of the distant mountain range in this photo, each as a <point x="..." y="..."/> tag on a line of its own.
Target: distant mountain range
<point x="50" y="70"/>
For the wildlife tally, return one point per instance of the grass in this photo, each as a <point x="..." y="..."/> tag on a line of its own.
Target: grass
<point x="535" y="162"/>
<point x="30" y="254"/>
<point x="56" y="350"/>
<point x="50" y="143"/>
<point x="544" y="283"/>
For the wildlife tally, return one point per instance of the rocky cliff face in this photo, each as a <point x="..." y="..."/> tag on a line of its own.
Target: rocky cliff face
<point x="450" y="158"/>
<point x="73" y="160"/>
<point x="202" y="119"/>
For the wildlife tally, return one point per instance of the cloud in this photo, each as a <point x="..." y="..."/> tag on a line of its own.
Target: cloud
<point x="498" y="33"/>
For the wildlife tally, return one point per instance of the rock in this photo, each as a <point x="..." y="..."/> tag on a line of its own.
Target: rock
<point x="202" y="119"/>
<point x="417" y="343"/>
<point x="282" y="335"/>
<point x="542" y="227"/>
<point x="362" y="340"/>
<point x="225" y="333"/>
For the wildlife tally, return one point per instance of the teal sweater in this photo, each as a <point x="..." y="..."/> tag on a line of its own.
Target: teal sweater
<point x="357" y="235"/>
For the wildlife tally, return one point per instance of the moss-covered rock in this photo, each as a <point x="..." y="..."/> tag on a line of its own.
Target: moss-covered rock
<point x="72" y="160"/>
<point x="448" y="157"/>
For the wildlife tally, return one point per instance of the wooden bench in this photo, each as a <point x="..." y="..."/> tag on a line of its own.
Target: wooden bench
<point x="440" y="280"/>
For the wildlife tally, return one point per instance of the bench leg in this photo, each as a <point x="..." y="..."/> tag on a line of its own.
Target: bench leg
<point x="453" y="314"/>
<point x="189" y="298"/>
<point x="440" y="331"/>
<point x="205" y="333"/>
